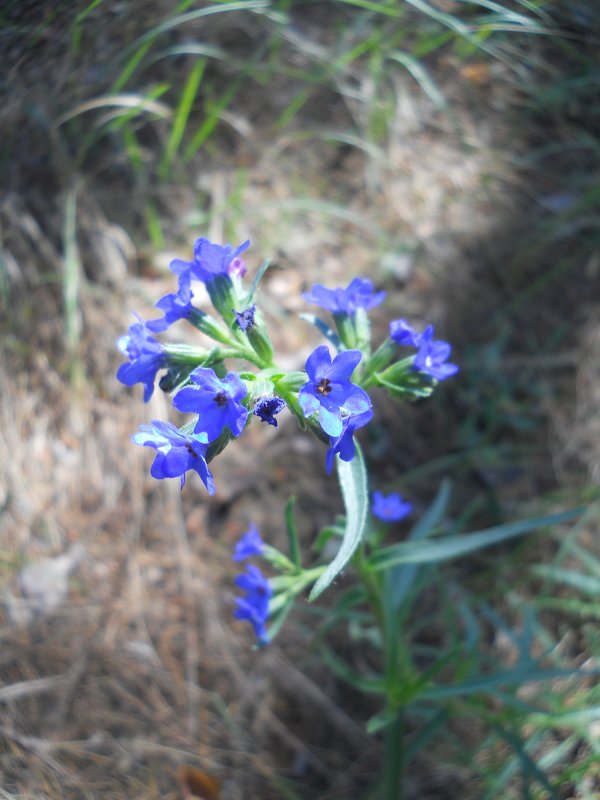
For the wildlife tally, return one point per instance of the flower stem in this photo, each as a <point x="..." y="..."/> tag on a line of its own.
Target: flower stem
<point x="393" y="765"/>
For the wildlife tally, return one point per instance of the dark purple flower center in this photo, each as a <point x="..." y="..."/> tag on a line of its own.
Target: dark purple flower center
<point x="221" y="399"/>
<point x="191" y="450"/>
<point x="324" y="386"/>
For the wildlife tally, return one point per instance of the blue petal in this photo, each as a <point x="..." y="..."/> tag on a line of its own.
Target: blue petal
<point x="330" y="421"/>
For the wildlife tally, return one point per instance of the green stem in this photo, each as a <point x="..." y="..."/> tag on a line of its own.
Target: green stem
<point x="393" y="765"/>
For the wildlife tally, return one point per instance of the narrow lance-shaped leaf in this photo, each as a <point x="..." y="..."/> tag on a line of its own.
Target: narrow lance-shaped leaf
<point x="431" y="551"/>
<point x="353" y="483"/>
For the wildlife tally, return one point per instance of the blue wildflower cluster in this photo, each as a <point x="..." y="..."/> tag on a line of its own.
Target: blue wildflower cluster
<point x="329" y="397"/>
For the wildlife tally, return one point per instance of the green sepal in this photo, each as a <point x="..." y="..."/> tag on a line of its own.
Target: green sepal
<point x="402" y="382"/>
<point x="219" y="444"/>
<point x="176" y="377"/>
<point x="223" y="297"/>
<point x="180" y="354"/>
<point x="291" y="382"/>
<point x="206" y="324"/>
<point x="261" y="344"/>
<point x="380" y="359"/>
<point x="354" y="330"/>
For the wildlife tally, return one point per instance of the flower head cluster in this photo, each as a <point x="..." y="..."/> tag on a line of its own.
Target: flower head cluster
<point x="358" y="294"/>
<point x="330" y="393"/>
<point x="254" y="607"/>
<point x="432" y="356"/>
<point x="391" y="507"/>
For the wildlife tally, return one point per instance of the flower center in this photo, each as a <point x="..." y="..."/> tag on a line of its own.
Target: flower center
<point x="191" y="450"/>
<point x="324" y="386"/>
<point x="221" y="399"/>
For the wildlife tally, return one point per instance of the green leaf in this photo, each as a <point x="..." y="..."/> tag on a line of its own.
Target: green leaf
<point x="184" y="109"/>
<point x="587" y="584"/>
<point x="373" y="685"/>
<point x="421" y="75"/>
<point x="512" y="677"/>
<point x="290" y="526"/>
<point x="402" y="576"/>
<point x="256" y="282"/>
<point x="352" y="476"/>
<point x="427" y="552"/>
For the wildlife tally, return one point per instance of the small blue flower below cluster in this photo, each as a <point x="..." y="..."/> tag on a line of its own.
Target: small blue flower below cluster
<point x="176" y="452"/>
<point x="146" y="356"/>
<point x="358" y="294"/>
<point x="217" y="401"/>
<point x="329" y="391"/>
<point x="251" y="544"/>
<point x="254" y="607"/>
<point x="391" y="507"/>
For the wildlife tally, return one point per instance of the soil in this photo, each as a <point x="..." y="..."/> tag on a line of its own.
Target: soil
<point x="139" y="672"/>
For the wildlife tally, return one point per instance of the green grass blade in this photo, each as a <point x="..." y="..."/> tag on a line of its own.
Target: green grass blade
<point x="71" y="281"/>
<point x="131" y="66"/>
<point x="400" y="579"/>
<point x="495" y="680"/>
<point x="584" y="583"/>
<point x="190" y="16"/>
<point x="182" y="115"/>
<point x="212" y="119"/>
<point x="530" y="770"/>
<point x="422" y="77"/>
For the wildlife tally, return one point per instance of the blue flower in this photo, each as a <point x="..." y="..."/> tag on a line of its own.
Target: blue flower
<point x="358" y="294"/>
<point x="175" y="306"/>
<point x="245" y="319"/>
<point x="391" y="507"/>
<point x="217" y="401"/>
<point x="212" y="259"/>
<point x="432" y="356"/>
<point x="402" y="333"/>
<point x="255" y="605"/>
<point x="267" y="407"/>
<point x="176" y="452"/>
<point x="249" y="545"/>
<point x="146" y="356"/>
<point x="344" y="443"/>
<point x="328" y="390"/>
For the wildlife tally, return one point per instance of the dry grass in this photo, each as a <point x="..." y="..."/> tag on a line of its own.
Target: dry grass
<point x="140" y="669"/>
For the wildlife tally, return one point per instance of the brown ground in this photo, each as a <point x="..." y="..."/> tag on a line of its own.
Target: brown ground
<point x="138" y="668"/>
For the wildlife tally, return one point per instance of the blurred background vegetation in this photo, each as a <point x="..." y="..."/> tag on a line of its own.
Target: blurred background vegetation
<point x="448" y="150"/>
